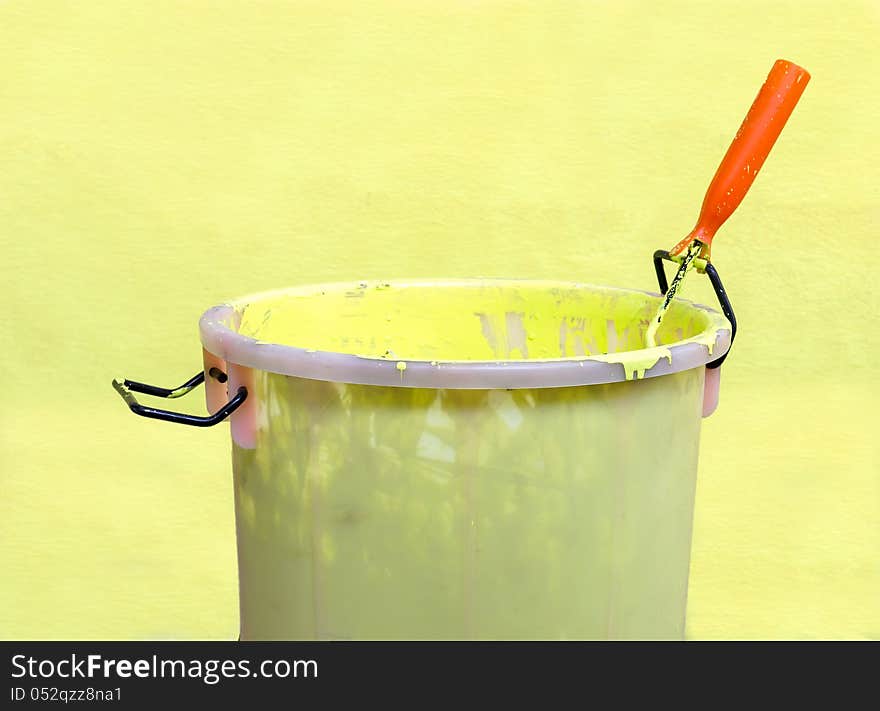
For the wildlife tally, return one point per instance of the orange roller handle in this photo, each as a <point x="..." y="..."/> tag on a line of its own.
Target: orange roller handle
<point x="740" y="165"/>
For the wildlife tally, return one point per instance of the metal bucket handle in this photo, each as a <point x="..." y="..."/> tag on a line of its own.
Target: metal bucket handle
<point x="718" y="287"/>
<point x="126" y="388"/>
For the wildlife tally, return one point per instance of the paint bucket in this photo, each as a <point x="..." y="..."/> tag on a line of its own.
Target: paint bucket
<point x="466" y="459"/>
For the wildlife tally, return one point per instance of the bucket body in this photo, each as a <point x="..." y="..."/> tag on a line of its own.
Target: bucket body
<point x="401" y="493"/>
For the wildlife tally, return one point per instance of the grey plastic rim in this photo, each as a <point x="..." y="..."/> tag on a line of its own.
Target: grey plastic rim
<point x="219" y="336"/>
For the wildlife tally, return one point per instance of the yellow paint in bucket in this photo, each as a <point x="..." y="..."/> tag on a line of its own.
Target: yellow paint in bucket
<point x="494" y="321"/>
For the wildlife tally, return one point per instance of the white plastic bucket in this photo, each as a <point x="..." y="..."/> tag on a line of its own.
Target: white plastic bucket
<point x="479" y="459"/>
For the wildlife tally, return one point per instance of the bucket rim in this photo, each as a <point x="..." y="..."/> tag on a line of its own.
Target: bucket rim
<point x="219" y="336"/>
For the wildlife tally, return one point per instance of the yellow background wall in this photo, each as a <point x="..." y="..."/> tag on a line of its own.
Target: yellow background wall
<point x="159" y="157"/>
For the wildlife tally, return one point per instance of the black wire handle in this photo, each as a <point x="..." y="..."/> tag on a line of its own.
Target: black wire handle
<point x="126" y="388"/>
<point x="712" y="273"/>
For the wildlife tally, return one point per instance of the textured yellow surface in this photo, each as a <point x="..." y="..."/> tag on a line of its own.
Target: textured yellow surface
<point x="156" y="158"/>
